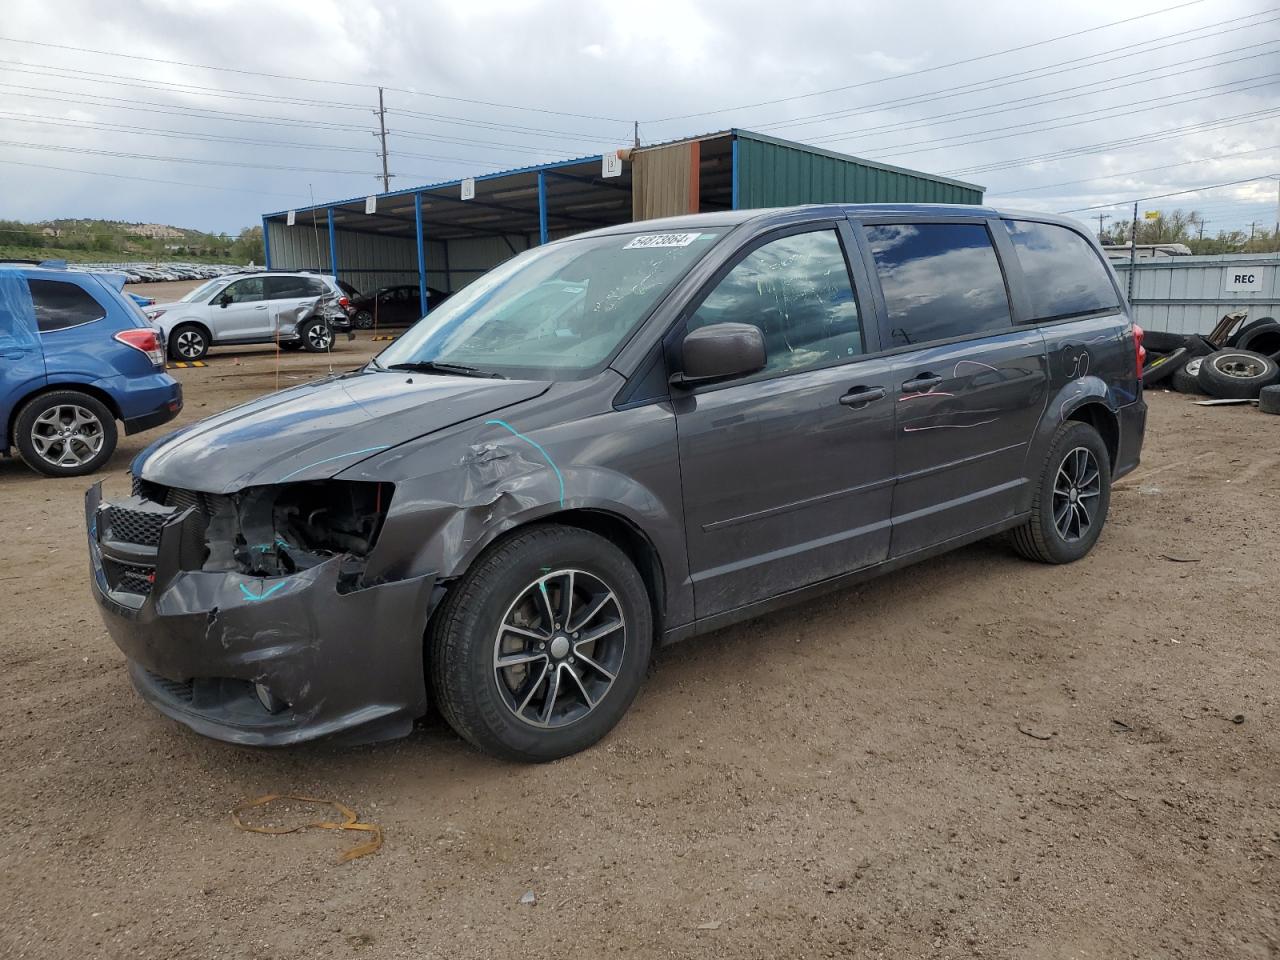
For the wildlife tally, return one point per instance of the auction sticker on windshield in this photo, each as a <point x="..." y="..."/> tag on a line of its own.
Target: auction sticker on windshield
<point x="662" y="240"/>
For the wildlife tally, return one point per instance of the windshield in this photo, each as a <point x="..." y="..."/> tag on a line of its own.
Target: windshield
<point x="204" y="291"/>
<point x="554" y="311"/>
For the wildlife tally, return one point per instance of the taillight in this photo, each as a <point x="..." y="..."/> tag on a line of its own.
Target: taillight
<point x="145" y="340"/>
<point x="343" y="302"/>
<point x="1139" y="351"/>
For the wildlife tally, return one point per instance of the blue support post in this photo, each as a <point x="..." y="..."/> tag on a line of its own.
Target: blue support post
<point x="542" y="207"/>
<point x="733" y="172"/>
<point x="422" y="253"/>
<point x="333" y="247"/>
<point x="266" y="244"/>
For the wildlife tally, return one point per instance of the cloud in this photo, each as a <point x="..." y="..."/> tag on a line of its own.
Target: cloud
<point x="587" y="71"/>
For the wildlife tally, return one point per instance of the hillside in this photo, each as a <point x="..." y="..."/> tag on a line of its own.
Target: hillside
<point x="99" y="240"/>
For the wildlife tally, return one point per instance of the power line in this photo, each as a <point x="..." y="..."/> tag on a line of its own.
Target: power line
<point x="985" y="136"/>
<point x="1017" y="191"/>
<point x="921" y="72"/>
<point x="1201" y="126"/>
<point x="125" y="176"/>
<point x="1070" y="65"/>
<point x="1162" y="196"/>
<point x="143" y="156"/>
<point x="176" y="134"/>
<point x="1025" y="103"/>
<point x="340" y="83"/>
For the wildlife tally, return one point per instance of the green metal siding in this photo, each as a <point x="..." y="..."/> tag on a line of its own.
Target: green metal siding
<point x="775" y="175"/>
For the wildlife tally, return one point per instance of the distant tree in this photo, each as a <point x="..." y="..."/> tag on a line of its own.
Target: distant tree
<point x="247" y="247"/>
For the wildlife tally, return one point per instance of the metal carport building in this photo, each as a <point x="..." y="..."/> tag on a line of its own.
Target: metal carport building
<point x="433" y="237"/>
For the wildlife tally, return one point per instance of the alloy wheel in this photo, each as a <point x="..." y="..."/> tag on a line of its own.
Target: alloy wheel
<point x="1075" y="491"/>
<point x="190" y="344"/>
<point x="319" y="336"/>
<point x="67" y="435"/>
<point x="559" y="648"/>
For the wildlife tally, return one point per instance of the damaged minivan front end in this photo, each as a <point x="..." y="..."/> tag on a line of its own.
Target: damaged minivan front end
<point x="246" y="615"/>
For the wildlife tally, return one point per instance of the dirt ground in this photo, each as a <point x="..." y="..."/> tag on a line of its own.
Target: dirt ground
<point x="975" y="757"/>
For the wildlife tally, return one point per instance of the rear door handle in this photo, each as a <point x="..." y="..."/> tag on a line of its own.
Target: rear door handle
<point x="261" y="306"/>
<point x="859" y="397"/>
<point x="926" y="381"/>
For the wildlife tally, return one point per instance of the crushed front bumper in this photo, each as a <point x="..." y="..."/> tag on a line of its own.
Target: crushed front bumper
<point x="198" y="642"/>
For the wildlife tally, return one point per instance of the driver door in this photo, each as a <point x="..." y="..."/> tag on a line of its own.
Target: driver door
<point x="788" y="473"/>
<point x="241" y="311"/>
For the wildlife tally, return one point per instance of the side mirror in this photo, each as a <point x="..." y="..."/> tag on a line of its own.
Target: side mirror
<point x="720" y="351"/>
<point x="224" y="300"/>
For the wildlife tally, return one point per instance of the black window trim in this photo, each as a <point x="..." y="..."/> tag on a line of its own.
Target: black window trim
<point x="73" y="326"/>
<point x="1028" y="317"/>
<point x="848" y="245"/>
<point x="1013" y="291"/>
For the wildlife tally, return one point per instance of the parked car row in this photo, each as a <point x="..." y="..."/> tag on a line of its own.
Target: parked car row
<point x="163" y="272"/>
<point x="1237" y="360"/>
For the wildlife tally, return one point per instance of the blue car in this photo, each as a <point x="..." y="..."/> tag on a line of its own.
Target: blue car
<point x="76" y="355"/>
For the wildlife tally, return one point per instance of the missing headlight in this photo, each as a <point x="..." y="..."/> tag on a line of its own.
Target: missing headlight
<point x="279" y="530"/>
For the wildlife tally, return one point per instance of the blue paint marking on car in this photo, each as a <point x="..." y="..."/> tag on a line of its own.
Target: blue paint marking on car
<point x="536" y="445"/>
<point x="259" y="596"/>
<point x="78" y="356"/>
<point x="349" y="453"/>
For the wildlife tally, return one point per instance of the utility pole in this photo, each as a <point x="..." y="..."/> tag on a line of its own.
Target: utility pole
<point x="1253" y="228"/>
<point x="635" y="130"/>
<point x="382" y="133"/>
<point x="1101" y="217"/>
<point x="1133" y="249"/>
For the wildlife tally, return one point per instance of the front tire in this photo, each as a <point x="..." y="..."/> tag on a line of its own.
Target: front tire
<point x="189" y="341"/>
<point x="65" y="433"/>
<point x="539" y="650"/>
<point x="1069" y="507"/>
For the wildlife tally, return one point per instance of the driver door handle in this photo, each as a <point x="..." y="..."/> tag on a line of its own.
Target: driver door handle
<point x="858" y="397"/>
<point x="926" y="381"/>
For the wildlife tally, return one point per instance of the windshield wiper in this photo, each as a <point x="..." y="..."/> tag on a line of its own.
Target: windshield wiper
<point x="438" y="366"/>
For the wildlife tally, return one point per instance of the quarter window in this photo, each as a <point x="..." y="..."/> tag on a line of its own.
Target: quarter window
<point x="797" y="291"/>
<point x="1065" y="277"/>
<point x="60" y="305"/>
<point x="940" y="280"/>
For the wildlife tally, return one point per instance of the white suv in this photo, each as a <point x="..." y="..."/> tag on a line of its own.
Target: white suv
<point x="297" y="310"/>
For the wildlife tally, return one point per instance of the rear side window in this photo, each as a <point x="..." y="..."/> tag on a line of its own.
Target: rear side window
<point x="797" y="291"/>
<point x="1065" y="276"/>
<point x="60" y="304"/>
<point x="940" y="280"/>
<point x="290" y="288"/>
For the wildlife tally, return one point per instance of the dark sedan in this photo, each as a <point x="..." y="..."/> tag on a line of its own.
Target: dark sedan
<point x="396" y="306"/>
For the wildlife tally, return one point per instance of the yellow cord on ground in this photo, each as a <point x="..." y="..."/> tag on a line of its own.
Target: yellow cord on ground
<point x="350" y="821"/>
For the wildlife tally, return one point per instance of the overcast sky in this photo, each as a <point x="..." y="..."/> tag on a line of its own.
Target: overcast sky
<point x="874" y="80"/>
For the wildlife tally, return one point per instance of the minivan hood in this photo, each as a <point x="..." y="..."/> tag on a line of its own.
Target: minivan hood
<point x="317" y="430"/>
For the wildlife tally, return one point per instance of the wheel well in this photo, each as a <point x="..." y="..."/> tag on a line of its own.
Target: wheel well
<point x="627" y="537"/>
<point x="1104" y="421"/>
<point x="107" y="400"/>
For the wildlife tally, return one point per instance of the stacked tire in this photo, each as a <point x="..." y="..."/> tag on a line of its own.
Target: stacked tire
<point x="1248" y="365"/>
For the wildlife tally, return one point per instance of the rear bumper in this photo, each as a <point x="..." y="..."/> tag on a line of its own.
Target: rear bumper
<point x="1133" y="427"/>
<point x="197" y="642"/>
<point x="162" y="414"/>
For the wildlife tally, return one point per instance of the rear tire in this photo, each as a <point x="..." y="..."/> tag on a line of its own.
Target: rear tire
<point x="1063" y="526"/>
<point x="495" y="613"/>
<point x="65" y="433"/>
<point x="317" y="336"/>
<point x="363" y="320"/>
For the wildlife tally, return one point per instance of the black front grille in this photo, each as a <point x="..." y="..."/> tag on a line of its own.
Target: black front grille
<point x="134" y="526"/>
<point x="205" y="503"/>
<point x="132" y="578"/>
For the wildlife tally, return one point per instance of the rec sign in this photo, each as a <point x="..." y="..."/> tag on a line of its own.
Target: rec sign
<point x="1241" y="279"/>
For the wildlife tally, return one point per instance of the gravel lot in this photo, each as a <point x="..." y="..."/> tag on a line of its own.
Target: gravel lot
<point x="975" y="757"/>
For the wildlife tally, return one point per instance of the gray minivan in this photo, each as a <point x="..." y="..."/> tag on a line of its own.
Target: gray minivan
<point x="613" y="441"/>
